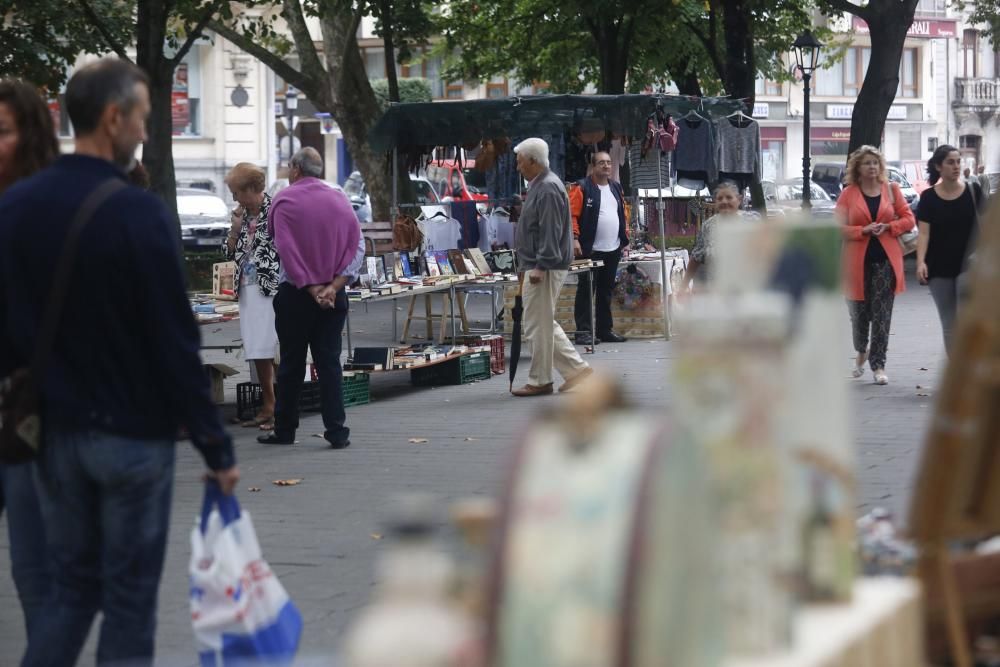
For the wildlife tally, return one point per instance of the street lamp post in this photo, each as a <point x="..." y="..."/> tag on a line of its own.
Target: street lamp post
<point x="291" y="104"/>
<point x="806" y="49"/>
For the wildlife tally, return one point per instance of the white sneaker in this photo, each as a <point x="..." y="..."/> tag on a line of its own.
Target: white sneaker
<point x="881" y="377"/>
<point x="859" y="365"/>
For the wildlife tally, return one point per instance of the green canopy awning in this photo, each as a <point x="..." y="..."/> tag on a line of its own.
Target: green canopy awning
<point x="466" y="122"/>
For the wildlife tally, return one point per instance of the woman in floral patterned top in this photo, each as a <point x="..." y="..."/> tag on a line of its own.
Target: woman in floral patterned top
<point x="727" y="208"/>
<point x="251" y="245"/>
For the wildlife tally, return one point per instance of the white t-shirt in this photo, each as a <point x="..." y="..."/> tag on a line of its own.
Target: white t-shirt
<point x="607" y="222"/>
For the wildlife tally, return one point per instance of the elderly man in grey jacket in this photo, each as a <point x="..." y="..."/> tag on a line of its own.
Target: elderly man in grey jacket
<point x="544" y="243"/>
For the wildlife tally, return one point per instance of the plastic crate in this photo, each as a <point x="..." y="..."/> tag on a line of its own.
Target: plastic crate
<point x="355" y="392"/>
<point x="463" y="370"/>
<point x="356" y="389"/>
<point x="497" y="350"/>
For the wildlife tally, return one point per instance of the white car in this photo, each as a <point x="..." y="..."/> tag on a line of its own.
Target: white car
<point x="427" y="197"/>
<point x="204" y="218"/>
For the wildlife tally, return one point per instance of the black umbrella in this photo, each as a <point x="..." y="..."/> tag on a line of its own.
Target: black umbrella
<point x="516" y="313"/>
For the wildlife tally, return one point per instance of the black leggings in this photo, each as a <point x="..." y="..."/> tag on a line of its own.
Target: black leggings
<point x="874" y="313"/>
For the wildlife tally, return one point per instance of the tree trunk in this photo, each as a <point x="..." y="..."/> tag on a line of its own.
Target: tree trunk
<point x="355" y="107"/>
<point x="157" y="152"/>
<point x="741" y="71"/>
<point x="385" y="10"/>
<point x="888" y="34"/>
<point x="685" y="77"/>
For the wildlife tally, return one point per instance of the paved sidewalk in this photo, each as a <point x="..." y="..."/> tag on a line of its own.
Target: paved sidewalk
<point x="318" y="536"/>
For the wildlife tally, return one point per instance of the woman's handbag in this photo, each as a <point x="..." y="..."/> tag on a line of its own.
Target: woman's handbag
<point x="20" y="395"/>
<point x="907" y="240"/>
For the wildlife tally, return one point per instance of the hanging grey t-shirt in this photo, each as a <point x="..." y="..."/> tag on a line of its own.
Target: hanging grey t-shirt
<point x="739" y="148"/>
<point x="642" y="170"/>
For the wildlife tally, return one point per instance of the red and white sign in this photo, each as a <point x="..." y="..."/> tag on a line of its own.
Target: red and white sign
<point x="926" y="28"/>
<point x="773" y="134"/>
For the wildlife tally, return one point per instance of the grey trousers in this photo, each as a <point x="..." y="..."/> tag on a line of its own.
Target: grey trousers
<point x="946" y="293"/>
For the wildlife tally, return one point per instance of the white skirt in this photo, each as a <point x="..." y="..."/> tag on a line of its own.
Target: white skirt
<point x="260" y="339"/>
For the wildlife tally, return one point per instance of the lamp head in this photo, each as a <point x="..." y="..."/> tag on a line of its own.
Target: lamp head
<point x="807" y="49"/>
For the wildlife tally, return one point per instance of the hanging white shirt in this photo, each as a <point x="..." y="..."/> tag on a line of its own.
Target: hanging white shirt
<point x="441" y="233"/>
<point x="607" y="222"/>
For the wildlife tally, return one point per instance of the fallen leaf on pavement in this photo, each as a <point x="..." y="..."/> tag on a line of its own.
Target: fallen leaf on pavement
<point x="919" y="394"/>
<point x="921" y="369"/>
<point x="376" y="536"/>
<point x="253" y="489"/>
<point x="417" y="441"/>
<point x="287" y="482"/>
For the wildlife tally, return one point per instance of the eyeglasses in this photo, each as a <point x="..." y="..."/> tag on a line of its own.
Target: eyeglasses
<point x="600" y="163"/>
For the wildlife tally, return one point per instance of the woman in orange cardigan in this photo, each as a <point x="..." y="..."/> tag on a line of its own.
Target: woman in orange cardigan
<point x="873" y="212"/>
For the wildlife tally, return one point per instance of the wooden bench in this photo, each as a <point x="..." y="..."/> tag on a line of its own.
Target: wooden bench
<point x="378" y="237"/>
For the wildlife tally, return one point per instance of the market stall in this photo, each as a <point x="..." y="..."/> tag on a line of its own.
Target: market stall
<point x="638" y="130"/>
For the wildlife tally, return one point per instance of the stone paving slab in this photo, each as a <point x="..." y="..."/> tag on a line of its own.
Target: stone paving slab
<point x="318" y="535"/>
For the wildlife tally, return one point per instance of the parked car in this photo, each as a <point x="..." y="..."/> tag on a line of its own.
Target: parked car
<point x="204" y="218"/>
<point x="830" y="176"/>
<point x="785" y="198"/>
<point x="915" y="172"/>
<point x="426" y="196"/>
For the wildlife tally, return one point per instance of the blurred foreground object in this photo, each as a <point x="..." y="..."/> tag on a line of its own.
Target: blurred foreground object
<point x="606" y="544"/>
<point x="958" y="488"/>
<point x="413" y="622"/>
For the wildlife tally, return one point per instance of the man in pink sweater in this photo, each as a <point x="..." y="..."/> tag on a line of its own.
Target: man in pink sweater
<point x="318" y="238"/>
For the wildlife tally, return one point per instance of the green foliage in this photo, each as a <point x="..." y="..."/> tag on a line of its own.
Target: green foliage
<point x="986" y="14"/>
<point x="572" y="45"/>
<point x="40" y="39"/>
<point x="410" y="90"/>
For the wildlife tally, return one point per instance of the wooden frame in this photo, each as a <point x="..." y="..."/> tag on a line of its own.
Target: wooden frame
<point x="957" y="497"/>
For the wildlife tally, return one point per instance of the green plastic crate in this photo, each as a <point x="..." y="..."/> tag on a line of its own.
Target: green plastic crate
<point x="356" y="389"/>
<point x="463" y="370"/>
<point x="355" y="392"/>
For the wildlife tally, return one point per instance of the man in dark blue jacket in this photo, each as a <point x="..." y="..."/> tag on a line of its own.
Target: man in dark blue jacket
<point x="600" y="233"/>
<point x="123" y="375"/>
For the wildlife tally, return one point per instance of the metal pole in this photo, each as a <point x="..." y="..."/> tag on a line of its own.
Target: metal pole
<point x="395" y="177"/>
<point x="806" y="203"/>
<point x="663" y="242"/>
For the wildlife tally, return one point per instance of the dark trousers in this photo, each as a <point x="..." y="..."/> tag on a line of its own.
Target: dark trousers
<point x="874" y="313"/>
<point x="604" y="281"/>
<point x="302" y="324"/>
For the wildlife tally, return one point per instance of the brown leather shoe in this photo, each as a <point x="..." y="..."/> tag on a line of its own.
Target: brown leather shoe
<point x="533" y="390"/>
<point x="571" y="383"/>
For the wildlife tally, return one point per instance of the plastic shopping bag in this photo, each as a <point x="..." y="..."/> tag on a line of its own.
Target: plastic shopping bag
<point x="240" y="612"/>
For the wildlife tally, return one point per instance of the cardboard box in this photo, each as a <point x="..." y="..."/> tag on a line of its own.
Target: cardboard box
<point x="224" y="278"/>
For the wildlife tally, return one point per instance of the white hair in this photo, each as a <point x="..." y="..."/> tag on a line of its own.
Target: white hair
<point x="308" y="162"/>
<point x="534" y="149"/>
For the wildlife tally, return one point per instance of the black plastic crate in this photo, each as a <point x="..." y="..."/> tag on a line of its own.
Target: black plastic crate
<point x="463" y="370"/>
<point x="355" y="392"/>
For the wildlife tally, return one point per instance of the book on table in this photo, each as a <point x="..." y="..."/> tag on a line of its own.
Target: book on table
<point x="457" y="260"/>
<point x="432" y="266"/>
<point x="441" y="256"/>
<point x="479" y="260"/>
<point x="379" y="357"/>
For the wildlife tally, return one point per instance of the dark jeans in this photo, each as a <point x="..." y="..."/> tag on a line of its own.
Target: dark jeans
<point x="302" y="325"/>
<point x="604" y="280"/>
<point x="106" y="506"/>
<point x="28" y="557"/>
